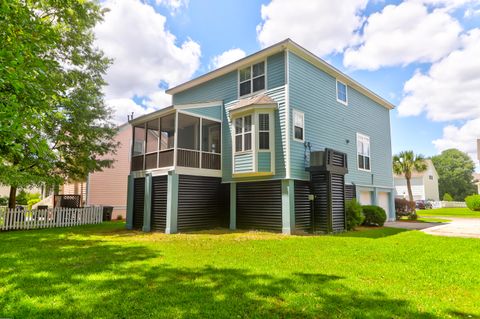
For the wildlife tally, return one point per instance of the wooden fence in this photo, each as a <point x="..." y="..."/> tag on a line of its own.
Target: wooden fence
<point x="15" y="219"/>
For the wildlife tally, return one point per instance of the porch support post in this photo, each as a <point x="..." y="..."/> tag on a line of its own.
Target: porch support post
<point x="288" y="206"/>
<point x="233" y="205"/>
<point x="130" y="202"/>
<point x="147" y="204"/>
<point x="172" y="202"/>
<point x="375" y="196"/>
<point x="391" y="197"/>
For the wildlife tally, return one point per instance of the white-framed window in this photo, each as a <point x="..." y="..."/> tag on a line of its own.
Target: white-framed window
<point x="342" y="95"/>
<point x="363" y="152"/>
<point x="243" y="133"/>
<point x="298" y="126"/>
<point x="252" y="79"/>
<point x="264" y="131"/>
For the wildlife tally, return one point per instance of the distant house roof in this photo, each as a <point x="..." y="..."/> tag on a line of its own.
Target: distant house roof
<point x="429" y="170"/>
<point x="290" y="45"/>
<point x="260" y="99"/>
<point x="476" y="176"/>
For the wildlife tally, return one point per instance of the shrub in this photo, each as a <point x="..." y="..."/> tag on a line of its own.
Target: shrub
<point x="32" y="202"/>
<point x="404" y="207"/>
<point x="3" y="200"/>
<point x="447" y="197"/>
<point x="119" y="217"/>
<point x="374" y="215"/>
<point x="473" y="202"/>
<point x="354" y="214"/>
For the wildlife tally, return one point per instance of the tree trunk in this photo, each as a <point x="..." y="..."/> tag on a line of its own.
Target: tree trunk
<point x="409" y="187"/>
<point x="12" y="199"/>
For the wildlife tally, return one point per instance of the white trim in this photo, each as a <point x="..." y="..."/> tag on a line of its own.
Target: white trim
<point x="287" y="114"/>
<point x="252" y="93"/>
<point x="197" y="105"/>
<point x="175" y="141"/>
<point x="346" y="92"/>
<point x="150" y="116"/>
<point x="199" y="116"/>
<point x="363" y="136"/>
<point x="294" y="111"/>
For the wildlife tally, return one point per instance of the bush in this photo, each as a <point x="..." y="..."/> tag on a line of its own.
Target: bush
<point x="374" y="215"/>
<point x="354" y="214"/>
<point x="404" y="207"/>
<point x="3" y="200"/>
<point x="473" y="202"/>
<point x="447" y="197"/>
<point x="32" y="202"/>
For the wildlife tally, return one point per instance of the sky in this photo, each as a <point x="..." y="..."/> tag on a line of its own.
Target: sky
<point x="421" y="55"/>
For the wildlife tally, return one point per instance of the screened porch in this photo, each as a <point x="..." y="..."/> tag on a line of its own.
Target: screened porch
<point x="177" y="140"/>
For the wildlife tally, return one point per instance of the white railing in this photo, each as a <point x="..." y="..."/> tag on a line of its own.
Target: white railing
<point x="15" y="219"/>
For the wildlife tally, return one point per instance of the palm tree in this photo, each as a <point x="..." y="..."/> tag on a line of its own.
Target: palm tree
<point x="407" y="162"/>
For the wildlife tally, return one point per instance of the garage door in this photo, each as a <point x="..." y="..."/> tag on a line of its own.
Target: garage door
<point x="384" y="202"/>
<point x="366" y="198"/>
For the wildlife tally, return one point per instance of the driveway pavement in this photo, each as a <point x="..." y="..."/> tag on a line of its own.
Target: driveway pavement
<point x="458" y="227"/>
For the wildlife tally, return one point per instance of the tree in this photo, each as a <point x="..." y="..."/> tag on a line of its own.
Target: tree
<point x="455" y="174"/>
<point x="54" y="123"/>
<point x="405" y="163"/>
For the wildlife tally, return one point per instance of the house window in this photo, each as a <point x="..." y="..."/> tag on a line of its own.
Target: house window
<point x="430" y="177"/>
<point x="363" y="152"/>
<point x="252" y="79"/>
<point x="264" y="131"/>
<point x="243" y="133"/>
<point x="342" y="92"/>
<point x="298" y="125"/>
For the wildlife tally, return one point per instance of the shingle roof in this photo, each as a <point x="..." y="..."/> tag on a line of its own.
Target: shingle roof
<point x="260" y="99"/>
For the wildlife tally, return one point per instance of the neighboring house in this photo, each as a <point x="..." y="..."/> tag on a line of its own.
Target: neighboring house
<point x="424" y="185"/>
<point x="109" y="187"/>
<point x="234" y="148"/>
<point x="476" y="177"/>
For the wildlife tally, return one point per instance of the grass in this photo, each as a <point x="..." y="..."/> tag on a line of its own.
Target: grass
<point x="104" y="271"/>
<point x="453" y="212"/>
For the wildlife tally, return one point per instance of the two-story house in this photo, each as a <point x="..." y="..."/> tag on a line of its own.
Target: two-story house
<point x="234" y="148"/>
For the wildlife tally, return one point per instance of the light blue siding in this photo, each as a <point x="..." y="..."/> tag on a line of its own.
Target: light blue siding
<point x="276" y="70"/>
<point x="331" y="124"/>
<point x="264" y="162"/>
<point x="214" y="112"/>
<point x="223" y="88"/>
<point x="243" y="162"/>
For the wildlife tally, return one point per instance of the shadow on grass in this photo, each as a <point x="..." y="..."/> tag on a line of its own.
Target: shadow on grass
<point x="44" y="275"/>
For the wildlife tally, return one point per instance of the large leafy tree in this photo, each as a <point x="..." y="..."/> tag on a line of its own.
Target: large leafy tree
<point x="407" y="162"/>
<point x="54" y="123"/>
<point x="455" y="173"/>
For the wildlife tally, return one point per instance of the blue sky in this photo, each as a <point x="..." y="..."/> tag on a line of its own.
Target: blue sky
<point x="217" y="26"/>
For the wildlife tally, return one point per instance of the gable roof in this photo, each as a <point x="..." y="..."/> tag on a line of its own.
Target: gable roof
<point x="260" y="99"/>
<point x="290" y="45"/>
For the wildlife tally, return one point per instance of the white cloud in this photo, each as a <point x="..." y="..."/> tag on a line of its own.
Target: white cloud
<point x="124" y="106"/>
<point x="321" y="26"/>
<point x="173" y="5"/>
<point x="145" y="54"/>
<point x="451" y="88"/>
<point x="463" y="138"/>
<point x="227" y="57"/>
<point x="446" y="4"/>
<point x="400" y="35"/>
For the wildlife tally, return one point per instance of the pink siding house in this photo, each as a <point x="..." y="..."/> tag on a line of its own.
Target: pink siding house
<point x="109" y="187"/>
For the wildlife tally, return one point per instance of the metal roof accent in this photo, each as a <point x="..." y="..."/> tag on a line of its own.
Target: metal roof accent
<point x="260" y="99"/>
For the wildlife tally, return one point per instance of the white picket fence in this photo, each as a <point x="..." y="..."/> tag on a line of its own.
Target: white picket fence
<point x="445" y="204"/>
<point x="15" y="219"/>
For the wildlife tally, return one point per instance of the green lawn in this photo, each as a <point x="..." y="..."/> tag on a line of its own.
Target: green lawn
<point x="454" y="212"/>
<point x="104" y="271"/>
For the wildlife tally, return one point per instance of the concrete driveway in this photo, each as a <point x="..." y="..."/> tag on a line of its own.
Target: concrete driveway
<point x="458" y="227"/>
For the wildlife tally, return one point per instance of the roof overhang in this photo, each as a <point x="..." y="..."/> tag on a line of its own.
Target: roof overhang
<point x="153" y="115"/>
<point x="287" y="44"/>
